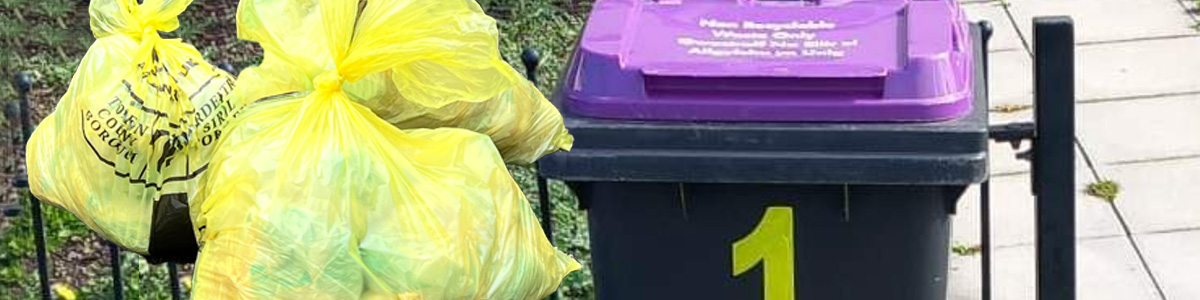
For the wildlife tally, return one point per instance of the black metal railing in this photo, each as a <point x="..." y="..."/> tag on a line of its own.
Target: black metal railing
<point x="1052" y="155"/>
<point x="24" y="83"/>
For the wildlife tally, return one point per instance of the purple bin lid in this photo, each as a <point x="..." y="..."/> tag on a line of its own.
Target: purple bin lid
<point x="760" y="60"/>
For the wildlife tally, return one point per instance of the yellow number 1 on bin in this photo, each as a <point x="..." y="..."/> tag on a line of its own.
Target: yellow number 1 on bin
<point x="772" y="243"/>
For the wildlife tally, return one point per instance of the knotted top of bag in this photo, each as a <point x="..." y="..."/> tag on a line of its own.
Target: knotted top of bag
<point x="155" y="64"/>
<point x="139" y="21"/>
<point x="436" y="51"/>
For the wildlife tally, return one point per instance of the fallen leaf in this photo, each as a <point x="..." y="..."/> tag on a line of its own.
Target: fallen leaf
<point x="1010" y="108"/>
<point x="63" y="291"/>
<point x="186" y="281"/>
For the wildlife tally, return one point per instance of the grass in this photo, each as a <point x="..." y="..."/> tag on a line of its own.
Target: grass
<point x="52" y="54"/>
<point x="1195" y="9"/>
<point x="965" y="250"/>
<point x="1106" y="190"/>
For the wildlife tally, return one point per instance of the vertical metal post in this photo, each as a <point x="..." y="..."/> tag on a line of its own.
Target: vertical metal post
<point x="1054" y="156"/>
<point x="24" y="83"/>
<point x="173" y="275"/>
<point x="115" y="259"/>
<point x="985" y="240"/>
<point x="546" y="210"/>
<point x="985" y="190"/>
<point x="531" y="58"/>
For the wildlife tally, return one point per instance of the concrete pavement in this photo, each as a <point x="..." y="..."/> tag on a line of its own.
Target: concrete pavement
<point x="1138" y="123"/>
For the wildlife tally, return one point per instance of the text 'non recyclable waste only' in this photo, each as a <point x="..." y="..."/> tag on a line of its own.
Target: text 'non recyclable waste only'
<point x="794" y="39"/>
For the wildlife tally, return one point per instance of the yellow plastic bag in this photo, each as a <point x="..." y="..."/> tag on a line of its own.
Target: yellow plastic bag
<point x="459" y="82"/>
<point x="520" y="121"/>
<point x="126" y="144"/>
<point x="312" y="196"/>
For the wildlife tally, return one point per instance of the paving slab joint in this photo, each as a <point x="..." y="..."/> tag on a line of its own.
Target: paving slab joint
<point x="1137" y="250"/>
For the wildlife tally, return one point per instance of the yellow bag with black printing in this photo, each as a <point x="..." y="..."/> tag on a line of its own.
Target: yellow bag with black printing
<point x="461" y="82"/>
<point x="125" y="146"/>
<point x="310" y="195"/>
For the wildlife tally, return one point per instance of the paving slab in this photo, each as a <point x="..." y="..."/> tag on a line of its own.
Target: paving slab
<point x="1108" y="269"/>
<point x="1140" y="129"/>
<point x="1108" y="20"/>
<point x="1023" y="114"/>
<point x="1012" y="209"/>
<point x="1002" y="159"/>
<point x="1004" y="35"/>
<point x="1105" y="71"/>
<point x="1010" y="78"/>
<point x="1193" y="11"/>
<point x="1175" y="260"/>
<point x="1160" y="196"/>
<point x="1137" y="68"/>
